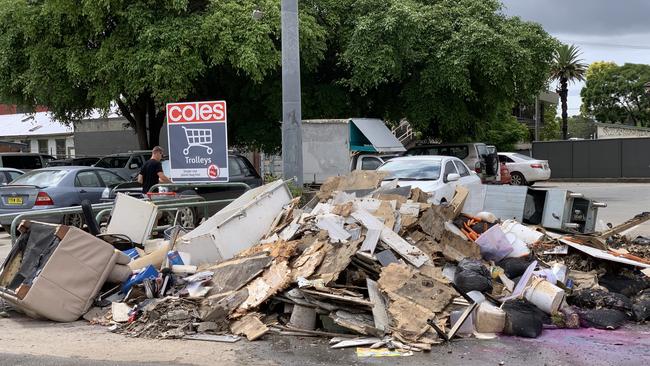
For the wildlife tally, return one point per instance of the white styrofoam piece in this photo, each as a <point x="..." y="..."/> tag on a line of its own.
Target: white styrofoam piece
<point x="132" y="217"/>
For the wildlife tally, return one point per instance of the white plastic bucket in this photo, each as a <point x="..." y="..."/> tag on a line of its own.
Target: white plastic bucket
<point x="546" y="296"/>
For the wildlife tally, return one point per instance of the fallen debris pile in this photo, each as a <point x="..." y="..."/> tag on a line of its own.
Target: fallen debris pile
<point x="377" y="266"/>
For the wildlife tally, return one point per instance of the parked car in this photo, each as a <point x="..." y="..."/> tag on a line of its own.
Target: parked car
<point x="55" y="187"/>
<point x="125" y="164"/>
<point x="23" y="161"/>
<point x="240" y="169"/>
<point x="435" y="174"/>
<point x="474" y="154"/>
<point x="525" y="170"/>
<point x="9" y="174"/>
<point x="86" y="161"/>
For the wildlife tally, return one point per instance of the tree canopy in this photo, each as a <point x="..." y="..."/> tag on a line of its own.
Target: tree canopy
<point x="616" y="94"/>
<point x="452" y="68"/>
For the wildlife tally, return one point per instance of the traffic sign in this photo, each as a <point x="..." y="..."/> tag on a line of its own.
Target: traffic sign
<point x="198" y="141"/>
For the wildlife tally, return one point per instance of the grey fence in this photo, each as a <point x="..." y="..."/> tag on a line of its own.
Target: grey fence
<point x="612" y="158"/>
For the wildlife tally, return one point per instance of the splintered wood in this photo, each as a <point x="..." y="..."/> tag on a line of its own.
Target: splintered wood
<point x="250" y="326"/>
<point x="337" y="258"/>
<point x="414" y="298"/>
<point x="274" y="279"/>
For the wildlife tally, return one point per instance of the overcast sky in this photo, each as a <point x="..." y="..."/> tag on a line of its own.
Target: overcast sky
<point x="605" y="30"/>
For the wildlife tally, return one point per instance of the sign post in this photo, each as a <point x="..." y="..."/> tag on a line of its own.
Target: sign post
<point x="198" y="141"/>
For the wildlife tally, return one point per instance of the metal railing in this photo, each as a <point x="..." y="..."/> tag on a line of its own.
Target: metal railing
<point x="54" y="212"/>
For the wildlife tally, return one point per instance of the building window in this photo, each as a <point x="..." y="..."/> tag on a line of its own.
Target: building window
<point x="60" y="148"/>
<point x="42" y="147"/>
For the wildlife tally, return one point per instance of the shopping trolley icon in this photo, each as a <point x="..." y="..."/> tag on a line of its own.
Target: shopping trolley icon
<point x="198" y="137"/>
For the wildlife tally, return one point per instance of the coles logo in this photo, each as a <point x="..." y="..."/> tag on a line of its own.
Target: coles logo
<point x="196" y="112"/>
<point x="213" y="171"/>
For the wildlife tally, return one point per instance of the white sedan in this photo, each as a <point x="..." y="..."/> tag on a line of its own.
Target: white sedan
<point x="524" y="169"/>
<point x="434" y="174"/>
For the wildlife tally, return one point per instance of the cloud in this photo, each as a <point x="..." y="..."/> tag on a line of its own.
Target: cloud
<point x="585" y="17"/>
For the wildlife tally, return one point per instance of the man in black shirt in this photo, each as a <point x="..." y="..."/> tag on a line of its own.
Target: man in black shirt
<point x="152" y="172"/>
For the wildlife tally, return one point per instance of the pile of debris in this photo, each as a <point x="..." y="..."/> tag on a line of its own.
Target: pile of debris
<point x="369" y="263"/>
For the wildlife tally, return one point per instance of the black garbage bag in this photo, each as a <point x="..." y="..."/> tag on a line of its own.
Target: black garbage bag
<point x="601" y="318"/>
<point x="628" y="285"/>
<point x="596" y="299"/>
<point x="523" y="319"/>
<point x="514" y="267"/>
<point x="641" y="240"/>
<point x="471" y="275"/>
<point x="641" y="306"/>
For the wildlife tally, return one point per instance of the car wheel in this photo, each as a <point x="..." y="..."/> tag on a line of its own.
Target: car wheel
<point x="186" y="218"/>
<point x="517" y="179"/>
<point x="75" y="220"/>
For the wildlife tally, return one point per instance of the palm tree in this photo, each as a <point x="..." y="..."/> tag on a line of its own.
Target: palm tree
<point x="567" y="67"/>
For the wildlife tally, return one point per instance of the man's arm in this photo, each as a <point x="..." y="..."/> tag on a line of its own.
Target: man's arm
<point x="140" y="180"/>
<point x="162" y="178"/>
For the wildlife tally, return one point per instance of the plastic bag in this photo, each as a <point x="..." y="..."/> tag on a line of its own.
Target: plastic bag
<point x="514" y="267"/>
<point x="601" y="318"/>
<point x="471" y="275"/>
<point x="592" y="299"/>
<point x="523" y="319"/>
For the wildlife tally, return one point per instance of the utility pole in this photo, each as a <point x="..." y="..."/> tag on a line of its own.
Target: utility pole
<point x="537" y="118"/>
<point x="291" y="108"/>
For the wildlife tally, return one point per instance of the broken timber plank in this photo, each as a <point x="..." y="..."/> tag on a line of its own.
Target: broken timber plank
<point x="359" y="323"/>
<point x="341" y="298"/>
<point x="459" y="199"/>
<point x="379" y="313"/>
<point x="250" y="326"/>
<point x="371" y="240"/>
<point x="212" y="338"/>
<point x="276" y="278"/>
<point x="409" y="252"/>
<point x="355" y="342"/>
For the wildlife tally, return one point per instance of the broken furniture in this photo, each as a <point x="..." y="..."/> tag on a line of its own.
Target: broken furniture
<point x="555" y="209"/>
<point x="237" y="226"/>
<point x="56" y="271"/>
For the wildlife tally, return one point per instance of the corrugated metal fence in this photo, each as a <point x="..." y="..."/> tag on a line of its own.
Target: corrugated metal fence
<point x="612" y="158"/>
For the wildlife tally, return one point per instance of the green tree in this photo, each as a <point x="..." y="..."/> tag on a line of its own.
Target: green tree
<point x="552" y="129"/>
<point x="505" y="131"/>
<point x="567" y="67"/>
<point x="450" y="67"/>
<point x="77" y="56"/>
<point x="616" y="94"/>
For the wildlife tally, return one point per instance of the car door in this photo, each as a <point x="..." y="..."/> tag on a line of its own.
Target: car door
<point x="466" y="178"/>
<point x="448" y="188"/>
<point x="89" y="186"/>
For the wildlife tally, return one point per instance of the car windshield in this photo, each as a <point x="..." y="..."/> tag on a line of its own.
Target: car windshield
<point x="113" y="162"/>
<point x="522" y="156"/>
<point x="40" y="178"/>
<point x="412" y="169"/>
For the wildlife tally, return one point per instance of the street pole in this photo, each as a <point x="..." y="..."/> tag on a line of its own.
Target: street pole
<point x="291" y="108"/>
<point x="537" y="118"/>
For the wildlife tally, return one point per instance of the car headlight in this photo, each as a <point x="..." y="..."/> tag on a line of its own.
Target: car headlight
<point x="106" y="193"/>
